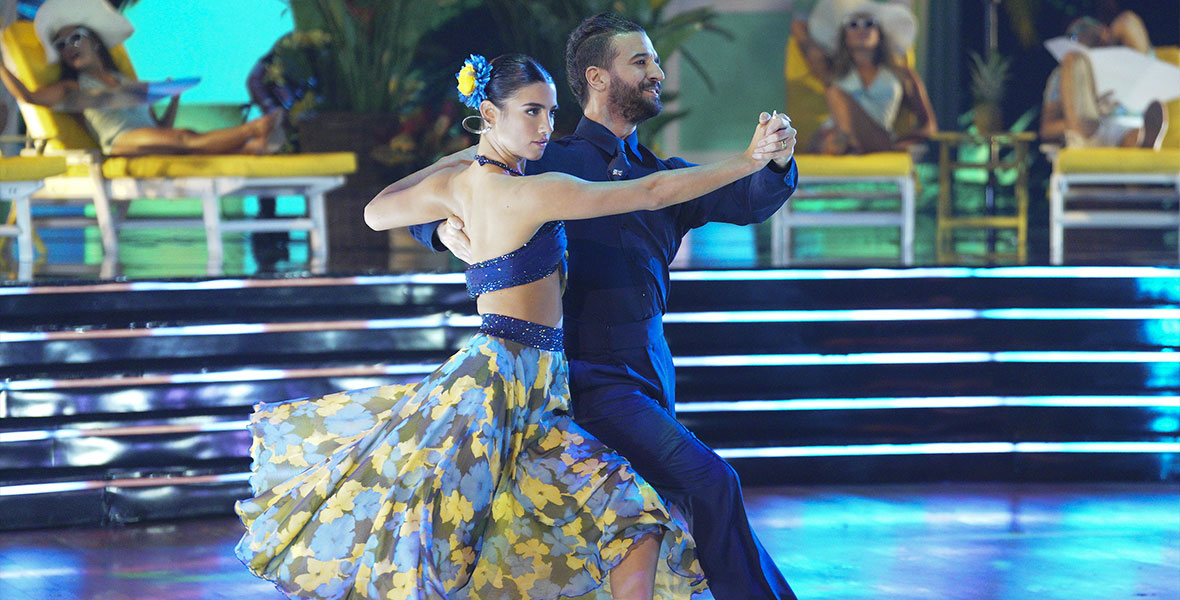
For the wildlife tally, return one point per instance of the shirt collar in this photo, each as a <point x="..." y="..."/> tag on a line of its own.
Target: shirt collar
<point x="596" y="133"/>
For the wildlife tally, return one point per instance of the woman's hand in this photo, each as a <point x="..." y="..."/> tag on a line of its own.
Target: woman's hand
<point x="450" y="233"/>
<point x="1107" y="103"/>
<point x="774" y="139"/>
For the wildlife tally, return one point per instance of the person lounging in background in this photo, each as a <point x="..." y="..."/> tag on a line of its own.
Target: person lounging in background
<point x="857" y="48"/>
<point x="1076" y="114"/>
<point x="79" y="33"/>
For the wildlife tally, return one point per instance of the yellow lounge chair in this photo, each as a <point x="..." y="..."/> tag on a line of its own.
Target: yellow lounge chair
<point x="808" y="109"/>
<point x="19" y="178"/>
<point x="111" y="182"/>
<point x="1101" y="176"/>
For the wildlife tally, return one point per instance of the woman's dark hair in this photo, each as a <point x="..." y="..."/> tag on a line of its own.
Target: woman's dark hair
<point x="510" y="72"/>
<point x="590" y="45"/>
<point x="108" y="62"/>
<point x="885" y="56"/>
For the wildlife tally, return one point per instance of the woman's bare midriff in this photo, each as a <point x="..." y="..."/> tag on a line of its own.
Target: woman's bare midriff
<point x="536" y="302"/>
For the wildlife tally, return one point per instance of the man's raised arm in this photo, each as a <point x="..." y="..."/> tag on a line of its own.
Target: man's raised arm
<point x="751" y="199"/>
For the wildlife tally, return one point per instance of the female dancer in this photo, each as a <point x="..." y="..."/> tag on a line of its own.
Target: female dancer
<point x="475" y="482"/>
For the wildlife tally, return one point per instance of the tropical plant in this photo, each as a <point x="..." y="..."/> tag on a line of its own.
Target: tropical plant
<point x="540" y="30"/>
<point x="988" y="77"/>
<point x="371" y="47"/>
<point x="424" y="133"/>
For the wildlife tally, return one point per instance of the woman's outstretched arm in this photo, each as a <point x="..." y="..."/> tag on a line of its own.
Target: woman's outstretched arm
<point x="461" y="158"/>
<point x="49" y="95"/>
<point x="427" y="201"/>
<point x="555" y="196"/>
<point x="818" y="62"/>
<point x="396" y="203"/>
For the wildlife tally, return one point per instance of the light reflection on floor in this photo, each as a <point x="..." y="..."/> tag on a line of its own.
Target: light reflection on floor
<point x="903" y="542"/>
<point x="1002" y="542"/>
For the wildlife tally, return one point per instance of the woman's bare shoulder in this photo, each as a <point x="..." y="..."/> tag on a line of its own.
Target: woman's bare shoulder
<point x="511" y="201"/>
<point x="516" y="189"/>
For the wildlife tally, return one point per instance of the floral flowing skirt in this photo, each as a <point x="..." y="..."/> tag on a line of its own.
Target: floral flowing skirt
<point x="473" y="483"/>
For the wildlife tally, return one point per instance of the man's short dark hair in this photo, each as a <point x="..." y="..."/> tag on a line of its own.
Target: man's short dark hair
<point x="590" y="45"/>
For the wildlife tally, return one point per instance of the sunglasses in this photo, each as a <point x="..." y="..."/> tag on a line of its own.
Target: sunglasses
<point x="860" y="23"/>
<point x="74" y="39"/>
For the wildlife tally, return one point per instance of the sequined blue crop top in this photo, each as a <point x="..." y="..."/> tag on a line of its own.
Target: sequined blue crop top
<point x="540" y="256"/>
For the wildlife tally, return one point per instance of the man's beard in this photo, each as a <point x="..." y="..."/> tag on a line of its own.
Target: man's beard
<point x="630" y="103"/>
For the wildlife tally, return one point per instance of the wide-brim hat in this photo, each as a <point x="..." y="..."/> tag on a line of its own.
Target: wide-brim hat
<point x="96" y="15"/>
<point x="895" y="20"/>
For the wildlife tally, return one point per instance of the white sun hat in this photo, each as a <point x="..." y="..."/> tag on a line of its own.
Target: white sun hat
<point x="828" y="17"/>
<point x="96" y="15"/>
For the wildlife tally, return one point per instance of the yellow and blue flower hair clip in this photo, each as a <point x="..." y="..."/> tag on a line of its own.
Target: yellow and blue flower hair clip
<point x="473" y="78"/>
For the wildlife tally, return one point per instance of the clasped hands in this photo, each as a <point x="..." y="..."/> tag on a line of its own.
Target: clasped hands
<point x="774" y="139"/>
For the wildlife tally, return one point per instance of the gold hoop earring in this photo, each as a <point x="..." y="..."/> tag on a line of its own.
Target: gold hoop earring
<point x="483" y="127"/>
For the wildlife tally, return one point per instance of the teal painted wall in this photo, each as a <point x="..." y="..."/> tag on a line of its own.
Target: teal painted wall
<point x="216" y="40"/>
<point x="748" y="78"/>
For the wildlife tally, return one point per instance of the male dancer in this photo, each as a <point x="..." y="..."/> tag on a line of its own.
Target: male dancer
<point x="621" y="375"/>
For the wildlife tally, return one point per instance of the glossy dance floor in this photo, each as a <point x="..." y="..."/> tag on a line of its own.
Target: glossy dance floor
<point x="913" y="542"/>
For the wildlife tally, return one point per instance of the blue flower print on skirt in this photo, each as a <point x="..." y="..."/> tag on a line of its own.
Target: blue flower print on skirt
<point x="473" y="483"/>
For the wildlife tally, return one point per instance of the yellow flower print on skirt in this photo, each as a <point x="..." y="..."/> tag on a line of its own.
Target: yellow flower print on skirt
<point x="473" y="483"/>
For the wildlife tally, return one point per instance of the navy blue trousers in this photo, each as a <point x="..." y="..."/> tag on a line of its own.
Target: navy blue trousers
<point x="624" y="396"/>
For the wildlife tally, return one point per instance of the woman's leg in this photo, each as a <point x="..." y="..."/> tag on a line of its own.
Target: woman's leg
<point x="634" y="578"/>
<point x="830" y="141"/>
<point x="864" y="133"/>
<point x="239" y="139"/>
<point x="1128" y="29"/>
<point x="627" y="412"/>
<point x="1079" y="97"/>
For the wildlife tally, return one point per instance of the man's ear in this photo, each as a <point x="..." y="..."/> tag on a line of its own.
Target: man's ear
<point x="597" y="78"/>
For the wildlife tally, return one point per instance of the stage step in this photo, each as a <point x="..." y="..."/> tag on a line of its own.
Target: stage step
<point x="130" y="399"/>
<point x="154" y="347"/>
<point x="699" y="379"/>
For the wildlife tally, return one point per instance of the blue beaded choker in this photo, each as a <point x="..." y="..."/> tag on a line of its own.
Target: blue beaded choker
<point x="483" y="160"/>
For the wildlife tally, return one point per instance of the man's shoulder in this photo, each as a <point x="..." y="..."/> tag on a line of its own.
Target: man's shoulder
<point x="573" y="153"/>
<point x="566" y="153"/>
<point x="572" y="142"/>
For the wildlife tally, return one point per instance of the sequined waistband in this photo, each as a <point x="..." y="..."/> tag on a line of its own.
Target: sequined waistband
<point x="523" y="332"/>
